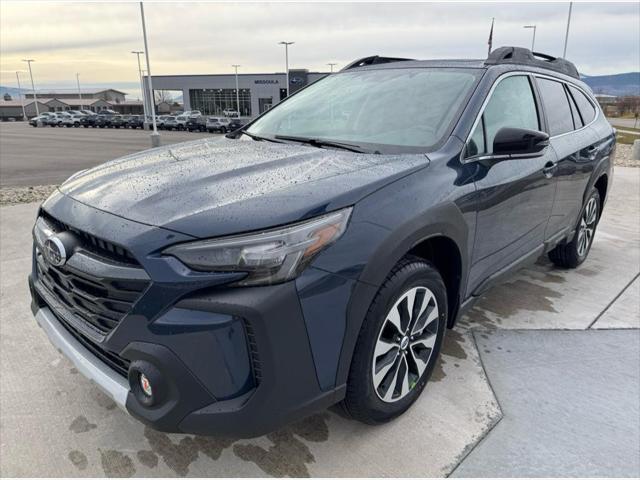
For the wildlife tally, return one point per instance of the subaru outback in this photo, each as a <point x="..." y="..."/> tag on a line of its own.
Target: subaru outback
<point x="319" y="254"/>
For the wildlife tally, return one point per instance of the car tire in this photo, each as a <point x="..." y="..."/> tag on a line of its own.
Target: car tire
<point x="223" y="130"/>
<point x="573" y="253"/>
<point x="401" y="378"/>
<point x="76" y="125"/>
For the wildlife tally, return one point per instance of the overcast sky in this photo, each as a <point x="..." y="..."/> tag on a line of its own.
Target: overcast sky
<point x="95" y="39"/>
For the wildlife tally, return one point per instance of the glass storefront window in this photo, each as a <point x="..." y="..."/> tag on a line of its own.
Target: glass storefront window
<point x="215" y="101"/>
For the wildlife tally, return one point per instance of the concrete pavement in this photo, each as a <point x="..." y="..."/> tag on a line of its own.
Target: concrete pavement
<point x="56" y="423"/>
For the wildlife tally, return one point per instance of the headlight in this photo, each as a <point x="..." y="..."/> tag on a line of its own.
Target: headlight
<point x="271" y="256"/>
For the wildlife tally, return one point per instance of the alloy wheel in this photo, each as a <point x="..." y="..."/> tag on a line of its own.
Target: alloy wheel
<point x="587" y="226"/>
<point x="405" y="344"/>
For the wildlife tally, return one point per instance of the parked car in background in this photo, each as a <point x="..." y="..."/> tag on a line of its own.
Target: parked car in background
<point x="228" y="112"/>
<point x="87" y="112"/>
<point x="196" y="123"/>
<point x="136" y="121"/>
<point x="102" y="121"/>
<point x="160" y="119"/>
<point x="190" y="113"/>
<point x="89" y="120"/>
<point x="74" y="112"/>
<point x="41" y="119"/>
<point x="235" y="124"/>
<point x="170" y="123"/>
<point x="117" y="121"/>
<point x="57" y="118"/>
<point x="218" y="124"/>
<point x="72" y="120"/>
<point x="181" y="122"/>
<point x="106" y="111"/>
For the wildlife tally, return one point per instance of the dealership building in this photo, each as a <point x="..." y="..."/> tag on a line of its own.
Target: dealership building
<point x="212" y="94"/>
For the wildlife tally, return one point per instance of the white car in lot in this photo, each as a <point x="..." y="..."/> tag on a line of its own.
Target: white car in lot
<point x="218" y="124"/>
<point x="230" y="112"/>
<point x="72" y="120"/>
<point x="57" y="118"/>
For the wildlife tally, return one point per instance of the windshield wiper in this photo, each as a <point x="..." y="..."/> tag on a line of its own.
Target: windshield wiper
<point x="257" y="138"/>
<point x="318" y="142"/>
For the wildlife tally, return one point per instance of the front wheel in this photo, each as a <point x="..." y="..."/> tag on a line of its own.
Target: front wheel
<point x="572" y="254"/>
<point x="399" y="343"/>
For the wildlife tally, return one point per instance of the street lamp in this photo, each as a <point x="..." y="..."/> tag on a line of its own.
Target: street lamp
<point x="137" y="53"/>
<point x="331" y="65"/>
<point x="533" y="41"/>
<point x="24" y="115"/>
<point x="286" y="59"/>
<point x="79" y="91"/>
<point x="566" y="36"/>
<point x="35" y="98"/>
<point x="155" y="136"/>
<point x="237" y="91"/>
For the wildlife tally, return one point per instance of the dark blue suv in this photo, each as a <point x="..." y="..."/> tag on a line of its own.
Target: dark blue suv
<point x="318" y="254"/>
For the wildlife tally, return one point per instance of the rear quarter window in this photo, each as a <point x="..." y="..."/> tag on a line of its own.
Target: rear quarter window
<point x="587" y="110"/>
<point x="556" y="106"/>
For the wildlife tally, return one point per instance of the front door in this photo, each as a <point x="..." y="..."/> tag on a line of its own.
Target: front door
<point x="514" y="197"/>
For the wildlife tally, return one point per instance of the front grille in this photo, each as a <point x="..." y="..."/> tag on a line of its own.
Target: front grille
<point x="97" y="289"/>
<point x="91" y="243"/>
<point x="113" y="360"/>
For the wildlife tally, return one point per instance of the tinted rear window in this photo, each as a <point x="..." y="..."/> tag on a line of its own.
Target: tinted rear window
<point x="587" y="110"/>
<point x="556" y="106"/>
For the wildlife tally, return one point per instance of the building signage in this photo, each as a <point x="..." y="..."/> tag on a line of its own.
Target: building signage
<point x="264" y="81"/>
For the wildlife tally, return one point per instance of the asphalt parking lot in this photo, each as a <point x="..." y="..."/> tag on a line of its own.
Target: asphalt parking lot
<point x="540" y="379"/>
<point x="48" y="155"/>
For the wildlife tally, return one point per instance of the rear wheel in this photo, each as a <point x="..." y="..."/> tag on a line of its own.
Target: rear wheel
<point x="572" y="254"/>
<point x="399" y="343"/>
<point x="223" y="130"/>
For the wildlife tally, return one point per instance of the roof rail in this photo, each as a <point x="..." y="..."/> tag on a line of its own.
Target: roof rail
<point x="524" y="56"/>
<point x="374" y="60"/>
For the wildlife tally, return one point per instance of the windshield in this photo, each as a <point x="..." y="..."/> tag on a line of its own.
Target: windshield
<point x="402" y="107"/>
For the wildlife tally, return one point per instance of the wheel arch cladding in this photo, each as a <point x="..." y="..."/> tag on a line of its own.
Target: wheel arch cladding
<point x="423" y="235"/>
<point x="601" y="185"/>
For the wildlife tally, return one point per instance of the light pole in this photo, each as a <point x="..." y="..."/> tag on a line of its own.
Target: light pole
<point x="331" y="65"/>
<point x="566" y="36"/>
<point x="533" y="40"/>
<point x="79" y="91"/>
<point x="33" y="88"/>
<point x="144" y="102"/>
<point x="237" y="90"/>
<point x="155" y="136"/>
<point x="286" y="60"/>
<point x="24" y="115"/>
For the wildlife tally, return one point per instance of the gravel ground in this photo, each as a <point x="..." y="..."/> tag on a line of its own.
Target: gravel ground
<point x="623" y="156"/>
<point x="14" y="195"/>
<point x="38" y="193"/>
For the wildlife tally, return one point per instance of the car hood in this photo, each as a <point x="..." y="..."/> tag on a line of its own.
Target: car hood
<point x="214" y="187"/>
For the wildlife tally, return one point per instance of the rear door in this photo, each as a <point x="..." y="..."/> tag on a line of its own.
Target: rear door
<point x="569" y="113"/>
<point x="515" y="196"/>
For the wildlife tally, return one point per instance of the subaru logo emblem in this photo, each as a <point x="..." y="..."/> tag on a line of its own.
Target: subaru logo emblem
<point x="55" y="252"/>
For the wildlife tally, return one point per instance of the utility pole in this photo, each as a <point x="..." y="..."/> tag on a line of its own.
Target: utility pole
<point x="79" y="91"/>
<point x="286" y="59"/>
<point x="24" y="114"/>
<point x="566" y="36"/>
<point x="331" y="65"/>
<point x="155" y="136"/>
<point x="237" y="90"/>
<point x="33" y="88"/>
<point x="144" y="102"/>
<point x="533" y="41"/>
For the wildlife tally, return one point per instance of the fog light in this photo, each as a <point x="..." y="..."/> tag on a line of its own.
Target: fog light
<point x="145" y="384"/>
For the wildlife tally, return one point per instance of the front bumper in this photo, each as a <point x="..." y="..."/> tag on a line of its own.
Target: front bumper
<point x="196" y="357"/>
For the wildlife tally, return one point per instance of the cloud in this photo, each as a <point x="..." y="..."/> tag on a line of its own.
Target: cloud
<point x="96" y="38"/>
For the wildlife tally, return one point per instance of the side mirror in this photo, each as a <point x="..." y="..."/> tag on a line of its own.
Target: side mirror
<point x="519" y="142"/>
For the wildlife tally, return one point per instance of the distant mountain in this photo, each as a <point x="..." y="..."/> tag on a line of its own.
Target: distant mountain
<point x="619" y="85"/>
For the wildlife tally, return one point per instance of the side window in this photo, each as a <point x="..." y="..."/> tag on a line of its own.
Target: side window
<point x="556" y="106"/>
<point x="577" y="120"/>
<point x="512" y="104"/>
<point x="586" y="108"/>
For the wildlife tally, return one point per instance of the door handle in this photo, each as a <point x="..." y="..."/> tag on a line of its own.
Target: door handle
<point x="549" y="169"/>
